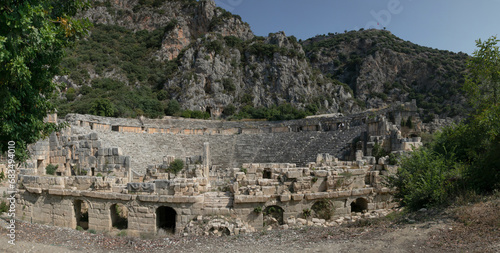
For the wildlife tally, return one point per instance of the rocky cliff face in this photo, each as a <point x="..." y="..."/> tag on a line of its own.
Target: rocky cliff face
<point x="382" y="68"/>
<point x="219" y="71"/>
<point x="209" y="60"/>
<point x="188" y="20"/>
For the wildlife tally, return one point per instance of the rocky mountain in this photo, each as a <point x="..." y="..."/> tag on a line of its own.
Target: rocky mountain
<point x="191" y="58"/>
<point x="382" y="68"/>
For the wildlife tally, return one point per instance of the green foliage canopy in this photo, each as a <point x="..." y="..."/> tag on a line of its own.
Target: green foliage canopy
<point x="102" y="107"/>
<point x="483" y="82"/>
<point x="176" y="166"/>
<point x="33" y="35"/>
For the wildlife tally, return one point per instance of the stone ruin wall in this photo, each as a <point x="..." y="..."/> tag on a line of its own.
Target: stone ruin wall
<point x="233" y="143"/>
<point x="227" y="200"/>
<point x="209" y="195"/>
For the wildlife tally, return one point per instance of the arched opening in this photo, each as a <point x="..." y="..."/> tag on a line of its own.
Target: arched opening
<point x="119" y="216"/>
<point x="165" y="218"/>
<point x="323" y="209"/>
<point x="273" y="215"/>
<point x="359" y="205"/>
<point x="81" y="214"/>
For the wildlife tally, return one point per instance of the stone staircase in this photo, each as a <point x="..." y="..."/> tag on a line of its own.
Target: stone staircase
<point x="230" y="151"/>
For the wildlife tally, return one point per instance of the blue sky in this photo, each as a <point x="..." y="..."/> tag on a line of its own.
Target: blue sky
<point x="444" y="24"/>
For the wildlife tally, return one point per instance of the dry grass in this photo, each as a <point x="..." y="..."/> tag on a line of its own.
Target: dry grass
<point x="476" y="228"/>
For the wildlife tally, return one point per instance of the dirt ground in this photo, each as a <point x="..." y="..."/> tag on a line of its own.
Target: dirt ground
<point x="470" y="228"/>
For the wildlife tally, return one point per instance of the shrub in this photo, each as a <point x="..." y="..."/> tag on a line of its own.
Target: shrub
<point x="306" y="212"/>
<point x="186" y="114"/>
<point x="229" y="110"/>
<point x="4" y="207"/>
<point x="102" y="107"/>
<point x="234" y="42"/>
<point x="79" y="228"/>
<point x="122" y="233"/>
<point x="257" y="209"/>
<point x="247" y="99"/>
<point x="173" y="107"/>
<point x="426" y="178"/>
<point x="51" y="169"/>
<point x="2" y="175"/>
<point x="215" y="46"/>
<point x="378" y="151"/>
<point x="92" y="231"/>
<point x="70" y="94"/>
<point x="228" y="85"/>
<point x="176" y="166"/>
<point x="162" y="95"/>
<point x="393" y="159"/>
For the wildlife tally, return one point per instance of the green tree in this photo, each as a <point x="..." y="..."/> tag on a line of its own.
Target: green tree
<point x="33" y="35"/>
<point x="176" y="166"/>
<point x="173" y="107"/>
<point x="229" y="110"/>
<point x="483" y="82"/>
<point x="102" y="107"/>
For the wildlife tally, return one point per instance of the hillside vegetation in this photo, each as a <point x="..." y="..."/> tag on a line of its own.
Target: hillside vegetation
<point x="382" y="68"/>
<point x="141" y="57"/>
<point x="463" y="159"/>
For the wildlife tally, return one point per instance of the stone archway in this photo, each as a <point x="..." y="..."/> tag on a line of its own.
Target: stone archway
<point x="359" y="205"/>
<point x="273" y="215"/>
<point x="166" y="218"/>
<point x="323" y="209"/>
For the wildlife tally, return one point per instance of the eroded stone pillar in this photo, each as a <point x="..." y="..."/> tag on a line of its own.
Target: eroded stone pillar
<point x="206" y="159"/>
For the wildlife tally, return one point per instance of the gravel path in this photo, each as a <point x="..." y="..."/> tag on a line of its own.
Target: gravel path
<point x="472" y="228"/>
<point x="380" y="238"/>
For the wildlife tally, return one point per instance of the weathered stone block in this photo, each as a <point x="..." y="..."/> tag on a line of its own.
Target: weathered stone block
<point x="117" y="151"/>
<point x="268" y="190"/>
<point x="294" y="174"/>
<point x="297" y="197"/>
<point x="320" y="173"/>
<point x="93" y="136"/>
<point x="285" y="197"/>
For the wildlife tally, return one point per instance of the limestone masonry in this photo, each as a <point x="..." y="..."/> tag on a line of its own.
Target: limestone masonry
<point x="238" y="177"/>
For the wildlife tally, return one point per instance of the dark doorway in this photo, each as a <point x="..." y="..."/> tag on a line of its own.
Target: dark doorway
<point x="359" y="205"/>
<point x="165" y="218"/>
<point x="267" y="173"/>
<point x="92" y="171"/>
<point x="81" y="214"/>
<point x="119" y="216"/>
